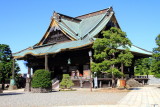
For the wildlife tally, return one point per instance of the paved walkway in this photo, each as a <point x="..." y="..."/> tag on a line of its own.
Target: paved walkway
<point x="19" y="98"/>
<point x="138" y="97"/>
<point x="142" y="97"/>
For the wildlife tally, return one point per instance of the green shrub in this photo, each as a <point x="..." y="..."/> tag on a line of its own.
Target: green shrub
<point x="157" y="75"/>
<point x="41" y="79"/>
<point x="66" y="82"/>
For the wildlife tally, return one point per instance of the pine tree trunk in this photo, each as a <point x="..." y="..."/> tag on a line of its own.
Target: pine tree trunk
<point x="113" y="78"/>
<point x="122" y="69"/>
<point x="113" y="81"/>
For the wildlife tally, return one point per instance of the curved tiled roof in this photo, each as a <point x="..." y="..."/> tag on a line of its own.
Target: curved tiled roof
<point x="55" y="48"/>
<point x="82" y="29"/>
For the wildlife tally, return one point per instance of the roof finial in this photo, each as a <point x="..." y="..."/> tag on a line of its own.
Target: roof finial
<point x="56" y="16"/>
<point x="111" y="8"/>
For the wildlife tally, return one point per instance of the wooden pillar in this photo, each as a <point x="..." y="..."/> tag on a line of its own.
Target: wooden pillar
<point x="12" y="85"/>
<point x="28" y="81"/>
<point x="13" y="68"/>
<point x="46" y="62"/>
<point x="91" y="83"/>
<point x="29" y="72"/>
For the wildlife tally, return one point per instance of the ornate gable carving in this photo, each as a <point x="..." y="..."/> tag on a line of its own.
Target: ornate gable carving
<point x="56" y="36"/>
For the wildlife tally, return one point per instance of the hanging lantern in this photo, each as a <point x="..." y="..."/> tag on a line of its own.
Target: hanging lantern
<point x="69" y="61"/>
<point x="90" y="53"/>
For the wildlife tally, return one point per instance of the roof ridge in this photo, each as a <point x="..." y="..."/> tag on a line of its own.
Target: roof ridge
<point x="109" y="15"/>
<point x="69" y="17"/>
<point x="141" y="48"/>
<point x="93" y="13"/>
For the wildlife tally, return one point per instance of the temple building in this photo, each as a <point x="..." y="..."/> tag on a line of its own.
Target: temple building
<point x="66" y="44"/>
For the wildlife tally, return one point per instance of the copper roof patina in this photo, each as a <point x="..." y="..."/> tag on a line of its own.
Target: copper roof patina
<point x="82" y="30"/>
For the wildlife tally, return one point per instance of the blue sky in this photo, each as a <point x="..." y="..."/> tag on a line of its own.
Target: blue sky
<point x="24" y="22"/>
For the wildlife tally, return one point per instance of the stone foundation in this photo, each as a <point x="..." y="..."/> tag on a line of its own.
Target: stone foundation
<point x="12" y="87"/>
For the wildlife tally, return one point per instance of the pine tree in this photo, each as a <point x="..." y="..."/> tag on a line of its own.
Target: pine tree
<point x="156" y="56"/>
<point x="66" y="82"/>
<point x="6" y="63"/>
<point x="143" y="66"/>
<point x="107" y="53"/>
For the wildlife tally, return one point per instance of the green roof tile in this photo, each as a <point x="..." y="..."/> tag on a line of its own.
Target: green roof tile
<point x="72" y="25"/>
<point x="87" y="27"/>
<point x="89" y="23"/>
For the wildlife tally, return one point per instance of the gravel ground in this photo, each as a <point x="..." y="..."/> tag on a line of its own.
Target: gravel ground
<point x="62" y="98"/>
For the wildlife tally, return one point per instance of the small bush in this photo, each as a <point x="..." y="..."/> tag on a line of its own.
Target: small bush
<point x="41" y="79"/>
<point x="66" y="82"/>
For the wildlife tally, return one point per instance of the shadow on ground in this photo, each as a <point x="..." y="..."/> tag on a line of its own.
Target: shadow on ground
<point x="134" y="89"/>
<point x="6" y="94"/>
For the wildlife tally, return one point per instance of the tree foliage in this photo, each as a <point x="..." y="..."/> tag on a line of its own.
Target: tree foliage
<point x="66" y="82"/>
<point x="143" y="66"/>
<point x="111" y="50"/>
<point x="6" y="63"/>
<point x="156" y="56"/>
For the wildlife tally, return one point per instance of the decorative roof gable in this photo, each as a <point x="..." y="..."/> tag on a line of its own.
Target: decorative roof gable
<point x="79" y="27"/>
<point x="55" y="34"/>
<point x="67" y="33"/>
